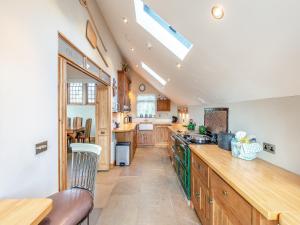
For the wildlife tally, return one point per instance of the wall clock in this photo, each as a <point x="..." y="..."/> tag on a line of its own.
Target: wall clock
<point x="142" y="87"/>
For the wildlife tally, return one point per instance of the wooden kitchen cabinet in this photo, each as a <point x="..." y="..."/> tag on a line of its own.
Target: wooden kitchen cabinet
<point x="163" y="105"/>
<point x="123" y="92"/>
<point x="216" y="202"/>
<point x="161" y="133"/>
<point x="145" y="138"/>
<point x="200" y="195"/>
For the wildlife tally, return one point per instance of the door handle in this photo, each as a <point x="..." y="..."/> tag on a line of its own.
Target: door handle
<point x="225" y="193"/>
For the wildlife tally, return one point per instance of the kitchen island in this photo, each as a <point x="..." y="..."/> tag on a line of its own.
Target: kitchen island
<point x="244" y="192"/>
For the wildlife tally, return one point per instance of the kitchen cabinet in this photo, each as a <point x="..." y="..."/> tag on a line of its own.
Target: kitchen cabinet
<point x="225" y="202"/>
<point x="216" y="202"/>
<point x="163" y="105"/>
<point x="123" y="92"/>
<point x="199" y="190"/>
<point x="161" y="133"/>
<point x="145" y="138"/>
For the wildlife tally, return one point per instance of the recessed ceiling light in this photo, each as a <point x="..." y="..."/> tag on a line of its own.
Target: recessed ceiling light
<point x="217" y="12"/>
<point x="132" y="49"/>
<point x="178" y="65"/>
<point x="149" y="45"/>
<point x="125" y="20"/>
<point x="168" y="79"/>
<point x="137" y="65"/>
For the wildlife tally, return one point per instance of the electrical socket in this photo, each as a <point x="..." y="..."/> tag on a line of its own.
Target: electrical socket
<point x="269" y="148"/>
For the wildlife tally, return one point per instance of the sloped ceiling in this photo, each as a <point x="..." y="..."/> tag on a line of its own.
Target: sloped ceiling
<point x="252" y="53"/>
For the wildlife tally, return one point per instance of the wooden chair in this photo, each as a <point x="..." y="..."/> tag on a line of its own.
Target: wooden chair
<point x="74" y="205"/>
<point x="69" y="123"/>
<point x="77" y="122"/>
<point x="86" y="136"/>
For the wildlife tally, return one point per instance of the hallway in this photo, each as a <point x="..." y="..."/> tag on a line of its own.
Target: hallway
<point x="146" y="193"/>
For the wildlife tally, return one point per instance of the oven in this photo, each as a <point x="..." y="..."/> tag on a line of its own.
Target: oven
<point x="182" y="163"/>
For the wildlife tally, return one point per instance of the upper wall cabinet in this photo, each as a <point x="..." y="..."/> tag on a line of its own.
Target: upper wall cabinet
<point x="123" y="92"/>
<point x="163" y="105"/>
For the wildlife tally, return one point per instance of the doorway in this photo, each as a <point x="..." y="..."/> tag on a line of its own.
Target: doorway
<point x="85" y="97"/>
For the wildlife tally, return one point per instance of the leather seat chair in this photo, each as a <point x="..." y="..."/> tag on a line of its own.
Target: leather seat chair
<point x="73" y="206"/>
<point x="70" y="207"/>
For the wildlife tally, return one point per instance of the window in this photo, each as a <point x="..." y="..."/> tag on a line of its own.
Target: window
<point x="154" y="74"/>
<point x="91" y="93"/>
<point x="81" y="93"/>
<point x="75" y="93"/>
<point x="146" y="105"/>
<point x="161" y="30"/>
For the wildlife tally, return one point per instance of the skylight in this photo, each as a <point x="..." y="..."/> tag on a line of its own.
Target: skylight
<point x="154" y="74"/>
<point x="161" y="30"/>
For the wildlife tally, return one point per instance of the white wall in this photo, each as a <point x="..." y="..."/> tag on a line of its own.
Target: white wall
<point x="84" y="111"/>
<point x="275" y="121"/>
<point x="136" y="80"/>
<point x="28" y="93"/>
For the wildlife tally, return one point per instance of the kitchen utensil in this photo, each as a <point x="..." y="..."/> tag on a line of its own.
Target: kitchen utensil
<point x="224" y="140"/>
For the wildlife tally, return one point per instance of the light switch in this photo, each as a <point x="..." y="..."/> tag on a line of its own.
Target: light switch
<point x="41" y="147"/>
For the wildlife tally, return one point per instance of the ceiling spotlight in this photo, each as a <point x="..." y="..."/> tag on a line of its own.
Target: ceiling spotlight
<point x="125" y="20"/>
<point x="168" y="79"/>
<point x="178" y="65"/>
<point x="217" y="12"/>
<point x="132" y="49"/>
<point x="149" y="45"/>
<point x="137" y="65"/>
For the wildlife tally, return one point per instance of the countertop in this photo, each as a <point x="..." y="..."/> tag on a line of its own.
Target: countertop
<point x="268" y="188"/>
<point x="125" y="128"/>
<point x="24" y="211"/>
<point x="289" y="219"/>
<point x="131" y="126"/>
<point x="177" y="127"/>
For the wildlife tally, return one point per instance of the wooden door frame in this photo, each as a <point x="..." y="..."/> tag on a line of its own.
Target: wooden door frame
<point x="62" y="115"/>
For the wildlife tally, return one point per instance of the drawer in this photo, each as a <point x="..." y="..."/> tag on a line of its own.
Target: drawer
<point x="201" y="168"/>
<point x="230" y="199"/>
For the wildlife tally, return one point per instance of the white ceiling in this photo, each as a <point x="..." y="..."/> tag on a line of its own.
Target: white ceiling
<point x="252" y="53"/>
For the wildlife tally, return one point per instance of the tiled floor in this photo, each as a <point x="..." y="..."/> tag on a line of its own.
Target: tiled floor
<point x="146" y="193"/>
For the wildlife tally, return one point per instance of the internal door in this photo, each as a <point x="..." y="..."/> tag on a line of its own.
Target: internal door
<point x="103" y="126"/>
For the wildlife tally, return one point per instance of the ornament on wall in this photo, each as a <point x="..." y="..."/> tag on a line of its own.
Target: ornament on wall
<point x="93" y="35"/>
<point x="125" y="67"/>
<point x="93" y="40"/>
<point x="114" y="87"/>
<point x="142" y="87"/>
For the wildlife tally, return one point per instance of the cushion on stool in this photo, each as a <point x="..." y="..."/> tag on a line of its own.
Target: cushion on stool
<point x="69" y="207"/>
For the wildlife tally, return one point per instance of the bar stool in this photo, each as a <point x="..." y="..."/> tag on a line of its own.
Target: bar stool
<point x="73" y="206"/>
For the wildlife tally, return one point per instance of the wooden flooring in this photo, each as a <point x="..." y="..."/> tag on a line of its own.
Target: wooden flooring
<point x="146" y="193"/>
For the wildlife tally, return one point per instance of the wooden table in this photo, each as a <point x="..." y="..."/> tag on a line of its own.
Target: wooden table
<point x="24" y="211"/>
<point x="71" y="132"/>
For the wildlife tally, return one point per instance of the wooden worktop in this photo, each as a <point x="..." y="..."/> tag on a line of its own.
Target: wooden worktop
<point x="268" y="188"/>
<point x="24" y="211"/>
<point x="125" y="128"/>
<point x="289" y="219"/>
<point x="177" y="127"/>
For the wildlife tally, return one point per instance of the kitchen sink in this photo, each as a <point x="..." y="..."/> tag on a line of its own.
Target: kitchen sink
<point x="146" y="126"/>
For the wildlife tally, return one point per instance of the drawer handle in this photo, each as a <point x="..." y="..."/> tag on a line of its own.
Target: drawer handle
<point x="225" y="193"/>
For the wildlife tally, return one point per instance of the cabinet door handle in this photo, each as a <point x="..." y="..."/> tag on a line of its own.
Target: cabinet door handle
<point x="225" y="193"/>
<point x="210" y="201"/>
<point x="197" y="194"/>
<point x="199" y="167"/>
